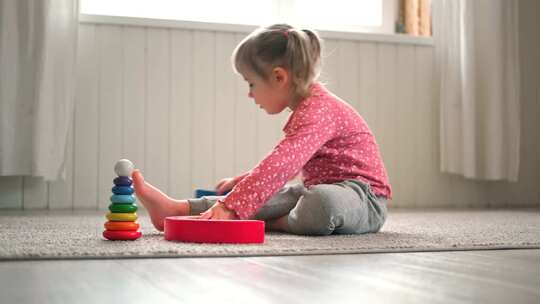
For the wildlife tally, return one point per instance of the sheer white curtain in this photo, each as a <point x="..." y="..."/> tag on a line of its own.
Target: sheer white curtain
<point x="476" y="46"/>
<point x="38" y="41"/>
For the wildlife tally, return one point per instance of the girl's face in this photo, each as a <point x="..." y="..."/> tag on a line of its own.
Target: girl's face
<point x="272" y="95"/>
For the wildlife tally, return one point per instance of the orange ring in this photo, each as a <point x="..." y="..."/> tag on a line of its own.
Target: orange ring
<point x="125" y="226"/>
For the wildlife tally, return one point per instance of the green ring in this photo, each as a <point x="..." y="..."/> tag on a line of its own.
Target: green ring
<point x="122" y="208"/>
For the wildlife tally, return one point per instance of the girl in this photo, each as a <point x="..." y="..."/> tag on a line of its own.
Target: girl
<point x="345" y="186"/>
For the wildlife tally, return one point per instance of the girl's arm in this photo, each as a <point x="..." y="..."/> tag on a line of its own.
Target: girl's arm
<point x="303" y="139"/>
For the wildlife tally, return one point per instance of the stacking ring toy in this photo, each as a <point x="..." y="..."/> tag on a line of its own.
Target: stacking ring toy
<point x="122" y="190"/>
<point x="122" y="199"/>
<point x="196" y="230"/>
<point x="121" y="235"/>
<point x="122" y="217"/>
<point x="122" y="208"/>
<point x="126" y="226"/>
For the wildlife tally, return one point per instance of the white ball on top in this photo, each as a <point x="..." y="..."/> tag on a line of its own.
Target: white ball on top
<point x="124" y="167"/>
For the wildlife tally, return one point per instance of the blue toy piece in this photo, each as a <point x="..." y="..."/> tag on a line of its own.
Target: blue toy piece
<point x="123" y="190"/>
<point x="202" y="192"/>
<point x="122" y="199"/>
<point x="123" y="181"/>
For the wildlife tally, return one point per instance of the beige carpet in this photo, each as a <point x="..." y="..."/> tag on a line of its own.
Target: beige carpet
<point x="68" y="235"/>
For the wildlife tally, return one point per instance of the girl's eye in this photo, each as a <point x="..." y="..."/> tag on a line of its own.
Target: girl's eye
<point x="251" y="85"/>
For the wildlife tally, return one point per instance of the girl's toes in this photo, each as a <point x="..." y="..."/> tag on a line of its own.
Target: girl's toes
<point x="138" y="179"/>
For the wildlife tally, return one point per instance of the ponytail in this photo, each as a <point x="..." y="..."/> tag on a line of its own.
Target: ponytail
<point x="304" y="56"/>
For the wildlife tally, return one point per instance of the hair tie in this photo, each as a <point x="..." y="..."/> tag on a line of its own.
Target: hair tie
<point x="286" y="33"/>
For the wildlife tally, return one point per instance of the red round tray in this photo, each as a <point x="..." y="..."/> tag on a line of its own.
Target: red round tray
<point x="195" y="230"/>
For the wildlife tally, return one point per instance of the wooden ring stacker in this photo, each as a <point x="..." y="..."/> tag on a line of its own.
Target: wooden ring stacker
<point x="193" y="229"/>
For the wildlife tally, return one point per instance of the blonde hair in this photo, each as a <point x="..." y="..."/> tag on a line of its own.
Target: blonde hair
<point x="297" y="51"/>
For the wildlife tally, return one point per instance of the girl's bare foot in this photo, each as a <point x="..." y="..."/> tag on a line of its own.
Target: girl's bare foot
<point x="158" y="204"/>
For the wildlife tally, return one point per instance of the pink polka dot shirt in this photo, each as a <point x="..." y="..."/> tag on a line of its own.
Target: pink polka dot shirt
<point x="326" y="141"/>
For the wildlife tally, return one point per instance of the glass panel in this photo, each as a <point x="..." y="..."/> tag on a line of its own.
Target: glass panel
<point x="338" y="15"/>
<point x="230" y="11"/>
<point x="339" y="12"/>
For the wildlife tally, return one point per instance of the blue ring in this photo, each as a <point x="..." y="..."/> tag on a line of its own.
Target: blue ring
<point x="122" y="199"/>
<point x="125" y="190"/>
<point x="123" y="181"/>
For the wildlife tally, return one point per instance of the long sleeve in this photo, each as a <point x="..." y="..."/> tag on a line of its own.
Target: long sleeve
<point x="308" y="129"/>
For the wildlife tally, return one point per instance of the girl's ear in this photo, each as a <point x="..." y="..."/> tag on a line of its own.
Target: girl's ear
<point x="280" y="75"/>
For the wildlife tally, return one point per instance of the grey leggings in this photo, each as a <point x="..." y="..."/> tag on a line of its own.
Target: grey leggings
<point x="347" y="207"/>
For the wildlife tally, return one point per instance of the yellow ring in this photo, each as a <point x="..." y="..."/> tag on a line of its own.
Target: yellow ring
<point x="125" y="217"/>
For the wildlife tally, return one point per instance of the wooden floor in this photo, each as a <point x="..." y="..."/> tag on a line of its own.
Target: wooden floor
<point x="501" y="276"/>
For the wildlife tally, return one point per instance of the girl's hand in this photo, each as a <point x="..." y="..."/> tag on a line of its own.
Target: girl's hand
<point x="219" y="212"/>
<point x="225" y="185"/>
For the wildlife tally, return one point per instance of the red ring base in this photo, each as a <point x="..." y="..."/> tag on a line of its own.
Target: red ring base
<point x="195" y="230"/>
<point x="121" y="235"/>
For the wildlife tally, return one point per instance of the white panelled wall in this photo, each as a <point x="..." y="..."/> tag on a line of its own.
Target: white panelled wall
<point x="168" y="100"/>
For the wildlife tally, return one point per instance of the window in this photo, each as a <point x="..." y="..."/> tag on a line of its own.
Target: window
<point x="336" y="15"/>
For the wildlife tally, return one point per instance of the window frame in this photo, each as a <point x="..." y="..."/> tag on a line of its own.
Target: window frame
<point x="371" y="36"/>
<point x="240" y="28"/>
